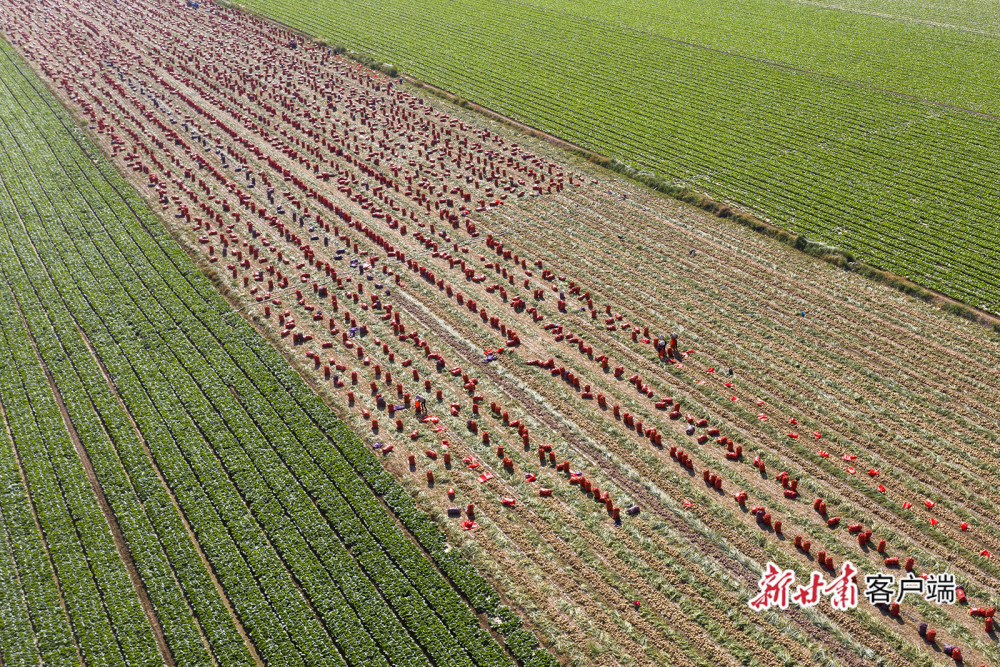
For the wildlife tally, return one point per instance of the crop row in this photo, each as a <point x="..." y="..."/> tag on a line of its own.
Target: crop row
<point x="205" y="392"/>
<point x="418" y="290"/>
<point x="796" y="148"/>
<point x="171" y="159"/>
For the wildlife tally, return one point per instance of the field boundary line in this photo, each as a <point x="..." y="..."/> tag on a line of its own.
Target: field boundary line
<point x="45" y="544"/>
<point x="746" y="218"/>
<point x="320" y="392"/>
<point x="762" y="61"/>
<point x="437" y="91"/>
<point x="109" y="516"/>
<point x="893" y="17"/>
<point x="173" y="500"/>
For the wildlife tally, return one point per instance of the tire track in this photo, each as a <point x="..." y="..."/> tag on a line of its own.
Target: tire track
<point x="121" y="545"/>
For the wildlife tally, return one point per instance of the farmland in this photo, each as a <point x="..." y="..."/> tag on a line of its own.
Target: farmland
<point x="173" y="493"/>
<point x="868" y="126"/>
<point x="402" y="252"/>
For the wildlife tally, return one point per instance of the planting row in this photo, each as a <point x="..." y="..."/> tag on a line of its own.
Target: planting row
<point x="375" y="307"/>
<point x="298" y="567"/>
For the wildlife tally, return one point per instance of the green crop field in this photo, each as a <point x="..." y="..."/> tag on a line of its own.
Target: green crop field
<point x="870" y="126"/>
<point x="172" y="491"/>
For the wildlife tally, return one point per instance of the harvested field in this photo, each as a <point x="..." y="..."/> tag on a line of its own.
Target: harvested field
<point x="173" y="493"/>
<point x="396" y="249"/>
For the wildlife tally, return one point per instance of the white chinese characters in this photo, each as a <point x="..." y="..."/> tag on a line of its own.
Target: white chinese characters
<point x="776" y="589"/>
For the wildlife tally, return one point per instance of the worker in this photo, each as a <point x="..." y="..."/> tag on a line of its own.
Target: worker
<point x="672" y="350"/>
<point x="661" y="347"/>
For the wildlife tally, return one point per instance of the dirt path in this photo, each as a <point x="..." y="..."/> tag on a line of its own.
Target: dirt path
<point x="109" y="516"/>
<point x="41" y="533"/>
<point x="173" y="500"/>
<point x="897" y="17"/>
